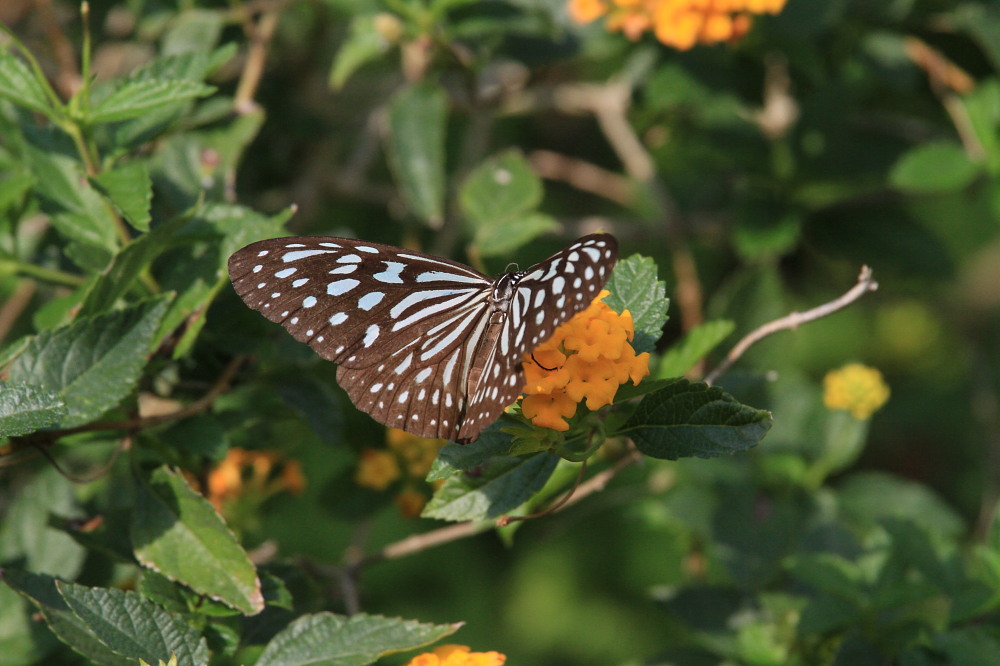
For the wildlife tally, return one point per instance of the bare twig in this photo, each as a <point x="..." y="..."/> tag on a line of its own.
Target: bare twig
<point x="260" y="35"/>
<point x="865" y="284"/>
<point x="15" y="305"/>
<point x="123" y="445"/>
<point x="583" y="176"/>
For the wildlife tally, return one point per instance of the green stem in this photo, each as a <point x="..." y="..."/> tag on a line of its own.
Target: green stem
<point x="42" y="273"/>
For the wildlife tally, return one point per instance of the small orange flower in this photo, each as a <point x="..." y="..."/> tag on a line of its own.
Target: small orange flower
<point x="677" y="23"/>
<point x="259" y="473"/>
<point x="587" y="358"/>
<point x="457" y="655"/>
<point x="418" y="453"/>
<point x="377" y="469"/>
<point x="410" y="502"/>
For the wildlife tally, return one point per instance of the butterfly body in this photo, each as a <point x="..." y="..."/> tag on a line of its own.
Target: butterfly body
<point x="423" y="344"/>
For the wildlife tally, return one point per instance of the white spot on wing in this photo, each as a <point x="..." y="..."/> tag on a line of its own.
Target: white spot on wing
<point x="302" y="254"/>
<point x="338" y="318"/>
<point x="308" y="301"/>
<point x="341" y="287"/>
<point x="300" y="282"/>
<point x="371" y="335"/>
<point x="370" y="300"/>
<point x="285" y="272"/>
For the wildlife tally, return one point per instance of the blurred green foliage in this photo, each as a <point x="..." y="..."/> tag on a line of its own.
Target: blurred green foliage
<point x="143" y="145"/>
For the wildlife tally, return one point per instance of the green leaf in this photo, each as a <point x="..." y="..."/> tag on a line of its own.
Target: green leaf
<point x="454" y="458"/>
<point x="26" y="535"/>
<point x="500" y="189"/>
<point x="25" y="408"/>
<point x="862" y="500"/>
<point x="634" y="287"/>
<point x="120" y="277"/>
<point x="138" y="97"/>
<point x="133" y="626"/>
<point x="130" y="190"/>
<point x="325" y="639"/>
<point x="692" y="348"/>
<point x="363" y="44"/>
<point x="177" y="533"/>
<point x="503" y="239"/>
<point x="685" y="419"/>
<point x="76" y="210"/>
<point x="830" y="574"/>
<point x="19" y="85"/>
<point x="193" y="30"/>
<point x="418" y="116"/>
<point x="64" y="623"/>
<point x="92" y="363"/>
<point x="14" y="187"/>
<point x="501" y="485"/>
<point x="934" y="168"/>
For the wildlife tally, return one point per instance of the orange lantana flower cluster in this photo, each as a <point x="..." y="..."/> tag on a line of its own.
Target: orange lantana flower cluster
<point x="677" y="23"/>
<point x="253" y="474"/>
<point x="457" y="655"/>
<point x="406" y="457"/>
<point x="587" y="358"/>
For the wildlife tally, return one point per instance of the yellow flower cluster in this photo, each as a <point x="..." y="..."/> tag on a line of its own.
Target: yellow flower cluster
<point x="457" y="655"/>
<point x="677" y="23"/>
<point x="587" y="358"/>
<point x="856" y="388"/>
<point x="253" y="473"/>
<point x="408" y="457"/>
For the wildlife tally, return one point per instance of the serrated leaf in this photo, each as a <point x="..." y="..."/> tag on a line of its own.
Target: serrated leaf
<point x="634" y="287"/>
<point x="685" y="419"/>
<point x="92" y="363"/>
<point x="418" y="116"/>
<point x="453" y="458"/>
<point x="130" y="190"/>
<point x="177" y="533"/>
<point x="325" y="639"/>
<point x="934" y="168"/>
<point x="76" y="210"/>
<point x="19" y="85"/>
<point x="692" y="348"/>
<point x="500" y="189"/>
<point x="25" y="408"/>
<point x="363" y="44"/>
<point x="138" y="97"/>
<point x="504" y="239"/>
<point x="133" y="626"/>
<point x="501" y="485"/>
<point x="64" y="623"/>
<point x="127" y="265"/>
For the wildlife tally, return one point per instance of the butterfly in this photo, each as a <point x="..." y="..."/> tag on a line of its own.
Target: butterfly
<point x="423" y="344"/>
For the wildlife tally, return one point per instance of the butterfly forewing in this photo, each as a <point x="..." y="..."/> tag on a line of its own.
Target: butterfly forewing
<point x="424" y="344"/>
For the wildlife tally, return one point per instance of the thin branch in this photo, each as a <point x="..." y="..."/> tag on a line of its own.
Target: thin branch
<point x="200" y="405"/>
<point x="865" y="284"/>
<point x="123" y="445"/>
<point x="583" y="176"/>
<point x="260" y="35"/>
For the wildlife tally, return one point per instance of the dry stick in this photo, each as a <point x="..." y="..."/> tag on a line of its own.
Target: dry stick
<point x="795" y="319"/>
<point x="260" y="35"/>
